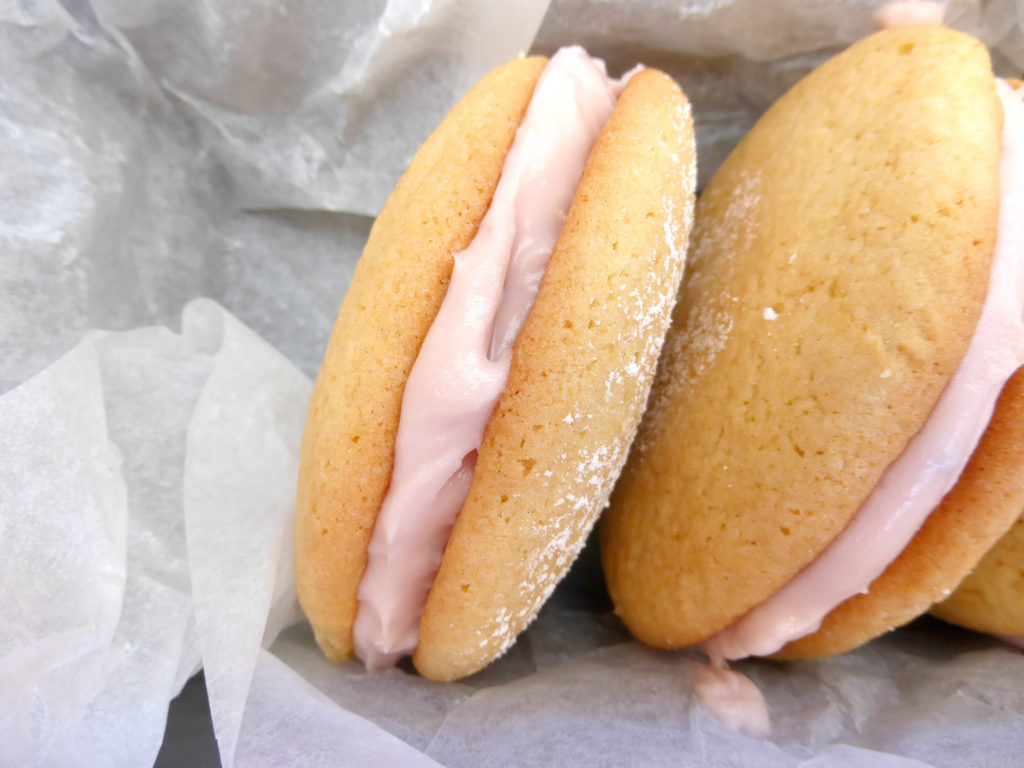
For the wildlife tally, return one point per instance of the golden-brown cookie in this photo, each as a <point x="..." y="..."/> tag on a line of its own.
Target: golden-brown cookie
<point x="991" y="598"/>
<point x="838" y="267"/>
<point x="581" y="370"/>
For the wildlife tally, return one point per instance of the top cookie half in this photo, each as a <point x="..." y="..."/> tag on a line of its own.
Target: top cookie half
<point x="838" y="267"/>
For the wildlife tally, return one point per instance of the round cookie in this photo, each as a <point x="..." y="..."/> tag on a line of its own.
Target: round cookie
<point x="986" y="500"/>
<point x="399" y="283"/>
<point x="831" y="293"/>
<point x="991" y="598"/>
<point x="581" y="370"/>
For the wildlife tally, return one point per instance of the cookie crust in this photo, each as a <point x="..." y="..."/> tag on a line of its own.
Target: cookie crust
<point x="838" y="267"/>
<point x="991" y="598"/>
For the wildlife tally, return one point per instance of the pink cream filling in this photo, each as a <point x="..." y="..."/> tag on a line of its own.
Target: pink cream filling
<point x="733" y="698"/>
<point x="905" y="13"/>
<point x="1012" y="640"/>
<point x="463" y="365"/>
<point x="932" y="461"/>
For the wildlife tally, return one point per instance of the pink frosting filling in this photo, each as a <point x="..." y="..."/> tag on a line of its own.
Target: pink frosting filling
<point x="905" y="13"/>
<point x="1012" y="640"/>
<point x="463" y="364"/>
<point x="932" y="461"/>
<point x="732" y="698"/>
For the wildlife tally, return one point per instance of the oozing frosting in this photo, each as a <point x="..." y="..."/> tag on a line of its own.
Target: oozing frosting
<point x="914" y="484"/>
<point x="463" y="364"/>
<point x="732" y="698"/>
<point x="906" y="13"/>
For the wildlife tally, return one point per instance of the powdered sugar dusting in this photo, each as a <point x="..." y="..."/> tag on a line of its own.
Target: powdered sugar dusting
<point x="582" y="483"/>
<point x="594" y="474"/>
<point x="705" y="321"/>
<point x="723" y="236"/>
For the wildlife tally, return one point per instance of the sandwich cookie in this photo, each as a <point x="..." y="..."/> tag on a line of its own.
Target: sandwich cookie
<point x="989" y="493"/>
<point x="854" y="304"/>
<point x="490" y="362"/>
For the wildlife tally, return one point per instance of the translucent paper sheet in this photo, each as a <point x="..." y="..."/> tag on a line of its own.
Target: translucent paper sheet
<point x="152" y="153"/>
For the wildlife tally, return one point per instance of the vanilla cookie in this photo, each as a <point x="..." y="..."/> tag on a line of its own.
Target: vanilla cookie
<point x="850" y="313"/>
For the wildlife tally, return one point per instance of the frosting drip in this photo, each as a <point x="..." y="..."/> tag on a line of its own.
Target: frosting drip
<point x="732" y="698"/>
<point x="907" y="13"/>
<point x="463" y="364"/>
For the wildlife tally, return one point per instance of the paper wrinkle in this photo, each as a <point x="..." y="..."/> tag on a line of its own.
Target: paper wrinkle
<point x="289" y="723"/>
<point x="1000" y="25"/>
<point x="63" y="530"/>
<point x="106" y="706"/>
<point x="146" y="473"/>
<point x="278" y="89"/>
<point x="111" y="96"/>
<point x="29" y="29"/>
<point x="150" y="377"/>
<point x="239" y="494"/>
<point x="100" y="588"/>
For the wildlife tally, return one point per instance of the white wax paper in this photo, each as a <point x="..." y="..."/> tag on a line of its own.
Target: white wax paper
<point x="155" y="152"/>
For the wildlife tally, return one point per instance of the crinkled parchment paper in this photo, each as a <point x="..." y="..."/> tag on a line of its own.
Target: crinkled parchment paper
<point x="153" y="153"/>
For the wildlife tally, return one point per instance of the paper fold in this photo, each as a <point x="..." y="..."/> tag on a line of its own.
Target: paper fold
<point x="158" y="152"/>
